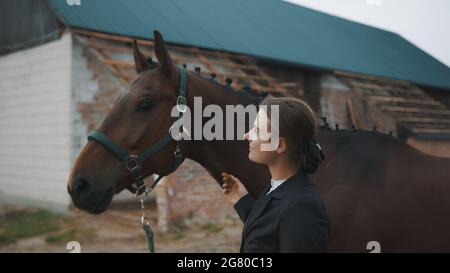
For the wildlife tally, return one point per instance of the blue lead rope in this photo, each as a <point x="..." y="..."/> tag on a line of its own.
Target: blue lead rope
<point x="149" y="234"/>
<point x="146" y="225"/>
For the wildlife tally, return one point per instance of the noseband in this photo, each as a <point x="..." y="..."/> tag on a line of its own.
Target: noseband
<point x="133" y="163"/>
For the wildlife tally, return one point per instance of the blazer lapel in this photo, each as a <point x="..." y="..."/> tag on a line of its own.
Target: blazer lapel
<point x="258" y="208"/>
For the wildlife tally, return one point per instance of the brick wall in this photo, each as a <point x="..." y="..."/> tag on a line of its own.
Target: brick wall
<point x="35" y="124"/>
<point x="191" y="195"/>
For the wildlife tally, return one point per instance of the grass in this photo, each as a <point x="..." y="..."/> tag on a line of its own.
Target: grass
<point x="67" y="236"/>
<point x="212" y="228"/>
<point x="172" y="235"/>
<point x="20" y="224"/>
<point x="70" y="235"/>
<point x="177" y="231"/>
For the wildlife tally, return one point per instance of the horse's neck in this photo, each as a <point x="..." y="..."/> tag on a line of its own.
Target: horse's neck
<point x="328" y="141"/>
<point x="229" y="156"/>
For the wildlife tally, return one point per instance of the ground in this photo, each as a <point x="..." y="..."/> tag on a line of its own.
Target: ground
<point x="117" y="230"/>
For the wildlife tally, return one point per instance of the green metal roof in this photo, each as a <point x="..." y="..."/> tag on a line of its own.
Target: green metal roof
<point x="269" y="29"/>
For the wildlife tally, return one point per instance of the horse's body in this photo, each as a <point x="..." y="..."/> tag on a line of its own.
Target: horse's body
<point x="375" y="187"/>
<point x="379" y="189"/>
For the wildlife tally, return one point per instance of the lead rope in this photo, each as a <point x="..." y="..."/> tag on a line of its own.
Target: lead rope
<point x="146" y="224"/>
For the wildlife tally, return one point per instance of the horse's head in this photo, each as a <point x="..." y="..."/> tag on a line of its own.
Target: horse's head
<point x="139" y="118"/>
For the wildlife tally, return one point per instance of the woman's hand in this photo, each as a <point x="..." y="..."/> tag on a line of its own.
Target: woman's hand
<point x="233" y="188"/>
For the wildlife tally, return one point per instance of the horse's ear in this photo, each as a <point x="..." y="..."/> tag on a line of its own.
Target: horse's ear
<point x="163" y="55"/>
<point x="140" y="62"/>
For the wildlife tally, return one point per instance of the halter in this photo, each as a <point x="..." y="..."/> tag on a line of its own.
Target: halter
<point x="133" y="163"/>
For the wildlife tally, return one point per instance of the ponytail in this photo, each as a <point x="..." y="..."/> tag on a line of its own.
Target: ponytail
<point x="313" y="155"/>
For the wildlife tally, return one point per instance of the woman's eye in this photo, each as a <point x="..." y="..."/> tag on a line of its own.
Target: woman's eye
<point x="144" y="106"/>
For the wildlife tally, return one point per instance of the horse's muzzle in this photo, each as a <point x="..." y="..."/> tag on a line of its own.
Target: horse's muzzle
<point x="86" y="197"/>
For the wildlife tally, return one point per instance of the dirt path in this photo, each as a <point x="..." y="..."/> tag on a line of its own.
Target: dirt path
<point x="116" y="230"/>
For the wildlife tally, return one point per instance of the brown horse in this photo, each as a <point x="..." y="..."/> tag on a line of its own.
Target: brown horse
<point x="375" y="187"/>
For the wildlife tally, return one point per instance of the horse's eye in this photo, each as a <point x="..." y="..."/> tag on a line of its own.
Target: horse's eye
<point x="144" y="106"/>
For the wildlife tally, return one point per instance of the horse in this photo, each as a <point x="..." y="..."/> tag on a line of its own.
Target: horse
<point x="376" y="188"/>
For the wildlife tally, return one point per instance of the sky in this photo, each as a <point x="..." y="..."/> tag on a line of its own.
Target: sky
<point x="425" y="23"/>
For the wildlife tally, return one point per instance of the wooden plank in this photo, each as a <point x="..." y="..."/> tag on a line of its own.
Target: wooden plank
<point x="352" y="113"/>
<point x="385" y="88"/>
<point x="423" y="120"/>
<point x="388" y="98"/>
<point x="432" y="131"/>
<point x="364" y="117"/>
<point x="118" y="62"/>
<point x="414" y="110"/>
<point x="370" y="78"/>
<point x="289" y="84"/>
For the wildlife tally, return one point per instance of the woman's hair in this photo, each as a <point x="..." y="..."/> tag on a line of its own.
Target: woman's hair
<point x="297" y="124"/>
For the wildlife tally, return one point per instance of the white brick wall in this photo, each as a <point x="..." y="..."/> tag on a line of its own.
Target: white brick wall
<point x="35" y="124"/>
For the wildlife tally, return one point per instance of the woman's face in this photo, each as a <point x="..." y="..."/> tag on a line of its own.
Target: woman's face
<point x="260" y="134"/>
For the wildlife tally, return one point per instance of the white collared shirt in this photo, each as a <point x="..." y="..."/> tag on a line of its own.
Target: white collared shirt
<point x="274" y="184"/>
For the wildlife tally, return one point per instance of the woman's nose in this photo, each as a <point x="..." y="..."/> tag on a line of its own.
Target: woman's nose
<point x="246" y="136"/>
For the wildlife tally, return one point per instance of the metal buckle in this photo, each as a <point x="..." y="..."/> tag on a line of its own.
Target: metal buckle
<point x="140" y="190"/>
<point x="181" y="104"/>
<point x="144" y="220"/>
<point x="133" y="162"/>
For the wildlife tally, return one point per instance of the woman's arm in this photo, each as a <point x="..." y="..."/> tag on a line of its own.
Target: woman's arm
<point x="304" y="227"/>
<point x="244" y="206"/>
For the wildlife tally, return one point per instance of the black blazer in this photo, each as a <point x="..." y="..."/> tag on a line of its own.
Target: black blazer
<point x="291" y="218"/>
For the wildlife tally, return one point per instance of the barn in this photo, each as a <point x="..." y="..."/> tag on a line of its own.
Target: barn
<point x="62" y="64"/>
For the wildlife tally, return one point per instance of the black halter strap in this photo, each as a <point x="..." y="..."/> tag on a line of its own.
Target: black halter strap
<point x="134" y="162"/>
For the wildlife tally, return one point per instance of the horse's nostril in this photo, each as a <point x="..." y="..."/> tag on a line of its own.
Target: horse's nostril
<point x="81" y="187"/>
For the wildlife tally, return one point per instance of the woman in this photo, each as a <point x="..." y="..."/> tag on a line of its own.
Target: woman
<point x="289" y="215"/>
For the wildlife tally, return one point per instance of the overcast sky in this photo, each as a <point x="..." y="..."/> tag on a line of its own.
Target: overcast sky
<point x="425" y="23"/>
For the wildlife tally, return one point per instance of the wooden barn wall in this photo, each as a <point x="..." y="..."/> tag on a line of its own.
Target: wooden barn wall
<point x="26" y="23"/>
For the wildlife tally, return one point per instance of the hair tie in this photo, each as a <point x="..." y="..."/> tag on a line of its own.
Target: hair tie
<point x="313" y="155"/>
